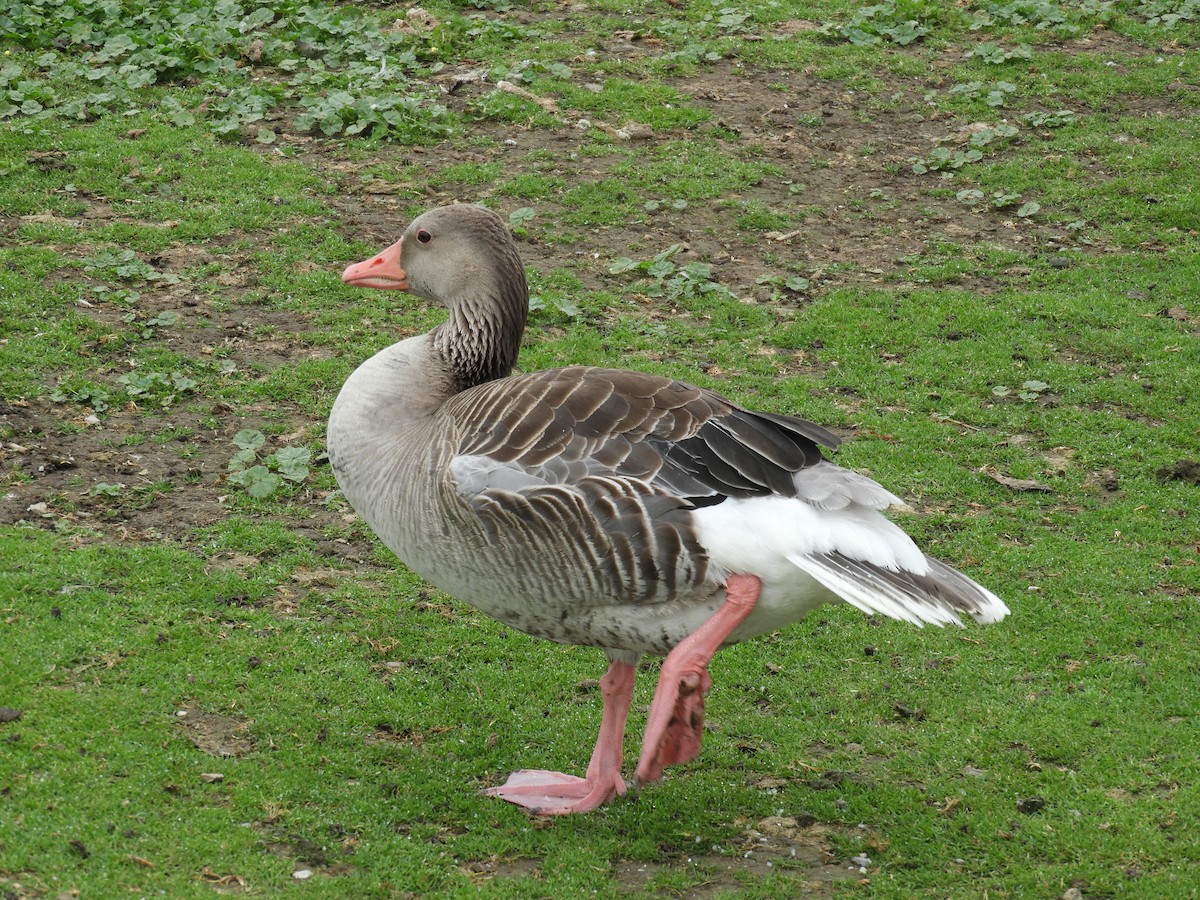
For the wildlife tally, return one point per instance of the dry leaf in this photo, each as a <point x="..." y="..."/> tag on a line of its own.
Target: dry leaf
<point x="1017" y="484"/>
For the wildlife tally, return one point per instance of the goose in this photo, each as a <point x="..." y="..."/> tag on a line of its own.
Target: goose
<point x="604" y="507"/>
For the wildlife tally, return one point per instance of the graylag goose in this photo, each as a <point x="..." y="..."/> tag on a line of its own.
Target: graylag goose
<point x="604" y="507"/>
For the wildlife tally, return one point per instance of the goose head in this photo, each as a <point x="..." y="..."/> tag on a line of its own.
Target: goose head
<point x="446" y="254"/>
<point x="465" y="258"/>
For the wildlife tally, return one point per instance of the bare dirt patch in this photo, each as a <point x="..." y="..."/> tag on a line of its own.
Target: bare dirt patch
<point x="216" y="734"/>
<point x="798" y="851"/>
<point x="62" y="457"/>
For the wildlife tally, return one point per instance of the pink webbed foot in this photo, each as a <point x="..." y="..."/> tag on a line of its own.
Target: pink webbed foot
<point x="556" y="794"/>
<point x="682" y="736"/>
<point x="675" y="726"/>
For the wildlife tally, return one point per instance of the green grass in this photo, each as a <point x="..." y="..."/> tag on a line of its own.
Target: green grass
<point x="365" y="710"/>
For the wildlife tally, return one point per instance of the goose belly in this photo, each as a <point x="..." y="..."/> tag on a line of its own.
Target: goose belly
<point x="548" y="592"/>
<point x="548" y="597"/>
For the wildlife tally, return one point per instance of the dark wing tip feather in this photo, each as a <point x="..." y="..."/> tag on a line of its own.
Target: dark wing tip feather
<point x="803" y="428"/>
<point x="740" y="453"/>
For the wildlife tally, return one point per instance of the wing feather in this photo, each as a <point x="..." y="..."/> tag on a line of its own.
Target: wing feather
<point x="564" y="424"/>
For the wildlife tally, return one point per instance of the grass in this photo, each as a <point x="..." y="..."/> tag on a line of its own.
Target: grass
<point x="219" y="692"/>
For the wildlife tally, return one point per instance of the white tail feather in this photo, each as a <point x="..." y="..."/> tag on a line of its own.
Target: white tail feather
<point x="900" y="595"/>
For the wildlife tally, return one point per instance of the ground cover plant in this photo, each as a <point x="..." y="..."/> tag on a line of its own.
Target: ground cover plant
<point x="962" y="235"/>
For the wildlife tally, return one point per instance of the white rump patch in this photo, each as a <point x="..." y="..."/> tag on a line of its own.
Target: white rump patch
<point x="782" y="540"/>
<point x="762" y="534"/>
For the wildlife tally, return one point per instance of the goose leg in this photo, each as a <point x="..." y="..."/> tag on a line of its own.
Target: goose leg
<point x="553" y="793"/>
<point x="675" y="725"/>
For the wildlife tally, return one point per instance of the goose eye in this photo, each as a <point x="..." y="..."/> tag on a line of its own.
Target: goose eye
<point x="424" y="236"/>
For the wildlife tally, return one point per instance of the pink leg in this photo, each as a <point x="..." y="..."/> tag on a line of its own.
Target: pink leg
<point x="675" y="725"/>
<point x="552" y="793"/>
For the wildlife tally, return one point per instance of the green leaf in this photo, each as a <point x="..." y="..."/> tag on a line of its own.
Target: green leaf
<point x="249" y="439"/>
<point x="288" y="456"/>
<point x="861" y="38"/>
<point x="520" y="216"/>
<point x="258" y="18"/>
<point x="292" y="462"/>
<point x="668" y="253"/>
<point x="1028" y="208"/>
<point x="242" y="460"/>
<point x="566" y="307"/>
<point x="259" y="481"/>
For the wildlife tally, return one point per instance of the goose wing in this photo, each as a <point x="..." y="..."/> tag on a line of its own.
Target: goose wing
<point x="561" y="426"/>
<point x="605" y="466"/>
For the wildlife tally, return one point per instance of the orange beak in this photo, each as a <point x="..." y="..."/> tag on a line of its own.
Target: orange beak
<point x="380" y="271"/>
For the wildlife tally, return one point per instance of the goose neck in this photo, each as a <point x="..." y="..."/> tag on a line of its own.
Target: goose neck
<point x="481" y="339"/>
